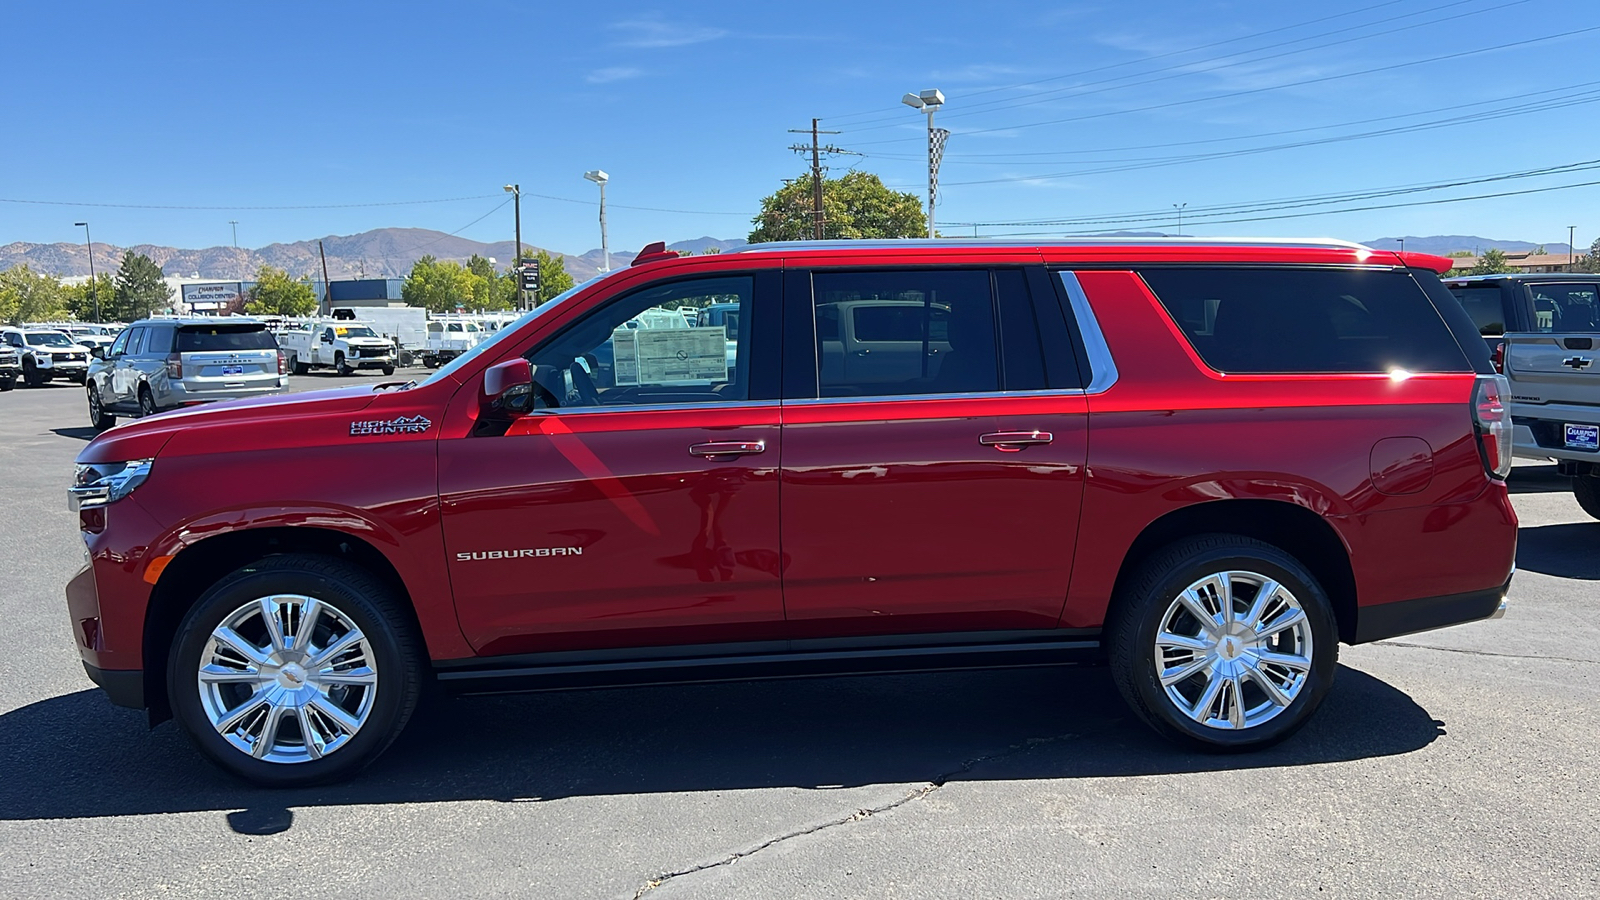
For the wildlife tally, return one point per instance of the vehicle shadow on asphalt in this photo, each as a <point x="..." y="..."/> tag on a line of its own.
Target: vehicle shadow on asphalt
<point x="1567" y="550"/>
<point x="76" y="756"/>
<point x="83" y="433"/>
<point x="1538" y="480"/>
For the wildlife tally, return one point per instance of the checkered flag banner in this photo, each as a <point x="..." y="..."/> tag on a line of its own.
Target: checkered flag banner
<point x="936" y="139"/>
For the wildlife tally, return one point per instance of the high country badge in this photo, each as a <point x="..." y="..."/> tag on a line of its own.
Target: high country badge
<point x="397" y="425"/>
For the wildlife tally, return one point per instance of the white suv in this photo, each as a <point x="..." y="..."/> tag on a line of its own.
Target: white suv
<point x="46" y="354"/>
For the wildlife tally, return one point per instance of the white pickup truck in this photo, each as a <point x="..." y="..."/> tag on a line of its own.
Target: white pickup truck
<point x="339" y="344"/>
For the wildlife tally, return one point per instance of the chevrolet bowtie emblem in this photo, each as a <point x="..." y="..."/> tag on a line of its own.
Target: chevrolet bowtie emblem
<point x="1577" y="362"/>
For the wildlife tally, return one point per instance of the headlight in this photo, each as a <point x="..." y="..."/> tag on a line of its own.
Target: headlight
<point x="100" y="483"/>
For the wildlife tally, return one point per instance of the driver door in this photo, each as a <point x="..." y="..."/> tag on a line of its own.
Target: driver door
<point x="635" y="509"/>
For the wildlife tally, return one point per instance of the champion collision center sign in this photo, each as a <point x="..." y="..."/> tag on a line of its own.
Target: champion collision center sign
<point x="217" y="295"/>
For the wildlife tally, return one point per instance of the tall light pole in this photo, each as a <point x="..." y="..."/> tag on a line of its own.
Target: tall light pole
<point x="94" y="287"/>
<point x="1179" y="207"/>
<point x="235" y="224"/>
<point x="929" y="102"/>
<point x="600" y="177"/>
<point x="515" y="190"/>
<point x="1572" y="251"/>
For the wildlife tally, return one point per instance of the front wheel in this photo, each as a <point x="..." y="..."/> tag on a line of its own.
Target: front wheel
<point x="341" y="366"/>
<point x="147" y="402"/>
<point x="98" y="417"/>
<point x="1223" y="643"/>
<point x="388" y="370"/>
<point x="80" y="378"/>
<point x="7" y="382"/>
<point x="294" y="670"/>
<point x="32" y="377"/>
<point x="1586" y="489"/>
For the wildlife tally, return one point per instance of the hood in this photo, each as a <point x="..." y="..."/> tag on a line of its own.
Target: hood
<point x="144" y="438"/>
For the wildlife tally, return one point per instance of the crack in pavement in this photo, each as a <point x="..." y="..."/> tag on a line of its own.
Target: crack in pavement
<point x="1592" y="662"/>
<point x="929" y="787"/>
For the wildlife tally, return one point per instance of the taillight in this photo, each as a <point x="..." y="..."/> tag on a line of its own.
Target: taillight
<point x="1499" y="357"/>
<point x="283" y="363"/>
<point x="1491" y="419"/>
<point x="175" y="366"/>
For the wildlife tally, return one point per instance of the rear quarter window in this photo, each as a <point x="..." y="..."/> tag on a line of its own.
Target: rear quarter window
<point x="225" y="337"/>
<point x="1289" y="321"/>
<point x="1484" y="306"/>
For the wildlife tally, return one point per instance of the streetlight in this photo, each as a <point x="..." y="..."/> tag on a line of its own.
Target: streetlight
<point x="515" y="190"/>
<point x="94" y="289"/>
<point x="1572" y="252"/>
<point x="235" y="224"/>
<point x="929" y="102"/>
<point x="600" y="177"/>
<point x="1179" y="207"/>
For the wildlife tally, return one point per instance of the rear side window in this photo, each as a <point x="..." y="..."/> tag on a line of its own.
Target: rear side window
<point x="1485" y="308"/>
<point x="193" y="338"/>
<point x="1285" y="321"/>
<point x="1565" y="307"/>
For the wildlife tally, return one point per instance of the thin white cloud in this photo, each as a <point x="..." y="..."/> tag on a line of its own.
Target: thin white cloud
<point x="612" y="73"/>
<point x="654" y="33"/>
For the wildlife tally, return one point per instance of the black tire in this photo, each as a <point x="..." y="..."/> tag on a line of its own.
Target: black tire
<point x="1141" y="605"/>
<point x="388" y="370"/>
<point x="357" y="595"/>
<point x="7" y="382"/>
<point x="80" y="378"/>
<point x="1586" y="488"/>
<point x="147" y="402"/>
<point x="31" y="376"/>
<point x="300" y="368"/>
<point x="98" y="417"/>
<point x="340" y="366"/>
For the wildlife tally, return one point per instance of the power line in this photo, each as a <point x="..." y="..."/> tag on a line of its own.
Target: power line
<point x="1196" y="49"/>
<point x="1190" y="68"/>
<point x="1277" y="87"/>
<point x="687" y="212"/>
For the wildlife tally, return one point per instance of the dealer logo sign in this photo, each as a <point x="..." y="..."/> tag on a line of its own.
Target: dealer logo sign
<point x="397" y="425"/>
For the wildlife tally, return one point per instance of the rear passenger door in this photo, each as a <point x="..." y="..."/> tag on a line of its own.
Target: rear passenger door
<point x="940" y="493"/>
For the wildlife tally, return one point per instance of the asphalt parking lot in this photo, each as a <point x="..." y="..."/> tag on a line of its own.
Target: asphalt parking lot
<point x="1455" y="763"/>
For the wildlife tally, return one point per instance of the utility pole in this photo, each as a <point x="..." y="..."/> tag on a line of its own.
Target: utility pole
<point x="94" y="287"/>
<point x="327" y="286"/>
<point x="516" y="264"/>
<point x="818" y="231"/>
<point x="235" y="224"/>
<point x="1179" y="207"/>
<point x="1572" y="252"/>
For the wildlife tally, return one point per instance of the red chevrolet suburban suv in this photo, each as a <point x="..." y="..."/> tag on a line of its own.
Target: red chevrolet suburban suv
<point x="1205" y="463"/>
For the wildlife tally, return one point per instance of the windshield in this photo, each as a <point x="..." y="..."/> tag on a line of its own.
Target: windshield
<point x="49" y="339"/>
<point x="507" y="331"/>
<point x="355" y="331"/>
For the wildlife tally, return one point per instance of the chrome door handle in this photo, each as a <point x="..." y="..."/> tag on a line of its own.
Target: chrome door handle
<point x="727" y="448"/>
<point x="1012" y="441"/>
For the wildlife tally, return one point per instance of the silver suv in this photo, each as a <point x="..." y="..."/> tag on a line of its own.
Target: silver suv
<point x="160" y="364"/>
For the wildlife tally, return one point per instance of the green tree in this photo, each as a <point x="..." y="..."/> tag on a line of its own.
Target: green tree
<point x="1493" y="262"/>
<point x="440" y="286"/>
<point x="496" y="291"/>
<point x="1589" y="262"/>
<point x="29" y="296"/>
<point x="854" y="206"/>
<point x="553" y="278"/>
<point x="140" y="290"/>
<point x="81" y="298"/>
<point x="276" y="294"/>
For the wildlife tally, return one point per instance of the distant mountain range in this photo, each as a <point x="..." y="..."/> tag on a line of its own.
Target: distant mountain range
<point x="390" y="253"/>
<point x="380" y="253"/>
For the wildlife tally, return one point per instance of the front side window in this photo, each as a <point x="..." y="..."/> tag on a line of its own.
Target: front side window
<point x="638" y="349"/>
<point x="120" y="344"/>
<point x="1289" y="321"/>
<point x="1565" y="307"/>
<point x="886" y="333"/>
<point x="136" y="343"/>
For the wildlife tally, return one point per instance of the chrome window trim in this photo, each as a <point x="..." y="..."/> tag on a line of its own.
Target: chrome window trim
<point x="1102" y="367"/>
<point x="970" y="395"/>
<point x="648" y="407"/>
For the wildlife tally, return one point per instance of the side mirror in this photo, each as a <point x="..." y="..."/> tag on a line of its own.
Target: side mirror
<point x="507" y="390"/>
<point x="97" y="352"/>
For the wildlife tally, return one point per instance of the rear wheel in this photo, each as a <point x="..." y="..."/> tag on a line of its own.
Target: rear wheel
<point x="294" y="670"/>
<point x="1223" y="642"/>
<point x="98" y="417"/>
<point x="147" y="402"/>
<point x="298" y="367"/>
<point x="1586" y="488"/>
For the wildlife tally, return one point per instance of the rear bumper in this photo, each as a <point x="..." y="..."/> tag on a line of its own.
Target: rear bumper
<point x="123" y="687"/>
<point x="1387" y="620"/>
<point x="181" y="394"/>
<point x="1537" y="431"/>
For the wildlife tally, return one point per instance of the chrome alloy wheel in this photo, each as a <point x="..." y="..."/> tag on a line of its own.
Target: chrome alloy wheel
<point x="287" y="678"/>
<point x="1233" y="650"/>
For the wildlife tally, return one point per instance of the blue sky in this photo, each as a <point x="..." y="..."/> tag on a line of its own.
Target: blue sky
<point x="1061" y="112"/>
